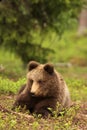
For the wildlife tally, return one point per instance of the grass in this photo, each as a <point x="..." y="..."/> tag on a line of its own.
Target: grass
<point x="9" y="86"/>
<point x="12" y="65"/>
<point x="78" y="89"/>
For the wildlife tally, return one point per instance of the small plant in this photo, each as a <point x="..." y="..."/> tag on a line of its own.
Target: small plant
<point x="35" y="125"/>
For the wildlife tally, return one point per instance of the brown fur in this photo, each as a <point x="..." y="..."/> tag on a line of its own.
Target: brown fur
<point x="44" y="88"/>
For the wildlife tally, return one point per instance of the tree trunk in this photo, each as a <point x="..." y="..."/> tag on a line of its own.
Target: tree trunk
<point x="82" y="30"/>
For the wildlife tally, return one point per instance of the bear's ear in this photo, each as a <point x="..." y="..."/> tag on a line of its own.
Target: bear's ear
<point x="32" y="65"/>
<point x="49" y="68"/>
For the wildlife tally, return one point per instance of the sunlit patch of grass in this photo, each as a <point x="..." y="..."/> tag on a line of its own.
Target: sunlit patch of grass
<point x="78" y="89"/>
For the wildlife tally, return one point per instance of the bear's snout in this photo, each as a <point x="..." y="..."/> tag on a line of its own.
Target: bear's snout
<point x="34" y="88"/>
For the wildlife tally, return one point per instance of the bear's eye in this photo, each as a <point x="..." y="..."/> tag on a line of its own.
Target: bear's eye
<point x="31" y="81"/>
<point x="40" y="81"/>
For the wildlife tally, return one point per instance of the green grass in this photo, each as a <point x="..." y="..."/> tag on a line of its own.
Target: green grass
<point x="12" y="65"/>
<point x="78" y="89"/>
<point x="9" y="86"/>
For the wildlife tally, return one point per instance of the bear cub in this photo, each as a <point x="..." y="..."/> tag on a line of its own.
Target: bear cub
<point x="44" y="88"/>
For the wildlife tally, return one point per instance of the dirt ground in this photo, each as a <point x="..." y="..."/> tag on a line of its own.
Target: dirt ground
<point x="80" y="119"/>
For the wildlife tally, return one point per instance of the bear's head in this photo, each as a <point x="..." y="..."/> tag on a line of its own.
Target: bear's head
<point x="42" y="79"/>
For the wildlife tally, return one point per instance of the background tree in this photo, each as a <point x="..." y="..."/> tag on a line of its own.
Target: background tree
<point x="20" y="20"/>
<point x="83" y="22"/>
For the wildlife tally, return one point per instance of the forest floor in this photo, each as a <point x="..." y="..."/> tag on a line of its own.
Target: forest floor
<point x="74" y="119"/>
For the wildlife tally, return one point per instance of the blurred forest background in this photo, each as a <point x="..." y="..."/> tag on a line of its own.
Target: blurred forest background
<point x="42" y="30"/>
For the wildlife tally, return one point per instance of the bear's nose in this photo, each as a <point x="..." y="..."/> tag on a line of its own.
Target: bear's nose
<point x="32" y="94"/>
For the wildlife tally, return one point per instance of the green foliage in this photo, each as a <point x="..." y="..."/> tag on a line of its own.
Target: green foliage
<point x="8" y="86"/>
<point x="19" y="18"/>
